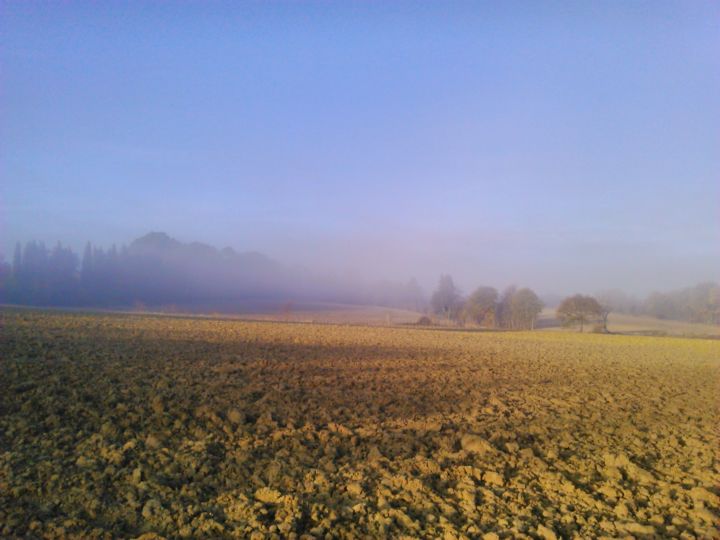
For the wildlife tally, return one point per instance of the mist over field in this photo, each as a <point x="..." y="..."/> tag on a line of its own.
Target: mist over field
<point x="569" y="150"/>
<point x="159" y="273"/>
<point x="312" y="270"/>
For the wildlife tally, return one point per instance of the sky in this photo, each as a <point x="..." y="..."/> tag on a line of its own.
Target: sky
<point x="571" y="147"/>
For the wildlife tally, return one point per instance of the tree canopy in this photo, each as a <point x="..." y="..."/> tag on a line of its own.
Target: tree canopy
<point x="480" y="306"/>
<point x="525" y="306"/>
<point x="579" y="309"/>
<point x="157" y="270"/>
<point x="446" y="299"/>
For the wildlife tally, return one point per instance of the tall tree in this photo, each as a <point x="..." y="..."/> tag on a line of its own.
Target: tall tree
<point x="713" y="304"/>
<point x="446" y="298"/>
<point x="578" y="309"/>
<point x="62" y="279"/>
<point x="86" y="267"/>
<point x="480" y="306"/>
<point x="34" y="274"/>
<point x="605" y="311"/>
<point x="503" y="311"/>
<point x="525" y="307"/>
<point x="17" y="259"/>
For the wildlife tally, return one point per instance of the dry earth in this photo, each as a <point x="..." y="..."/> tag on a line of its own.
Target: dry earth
<point x="122" y="426"/>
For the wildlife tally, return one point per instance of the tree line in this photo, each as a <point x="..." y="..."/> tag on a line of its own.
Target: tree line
<point x="698" y="304"/>
<point x="518" y="309"/>
<point x="58" y="277"/>
<point x="156" y="270"/>
<point x="514" y="309"/>
<point x="159" y="271"/>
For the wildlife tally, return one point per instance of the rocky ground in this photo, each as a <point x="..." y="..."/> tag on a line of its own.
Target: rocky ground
<point x="129" y="426"/>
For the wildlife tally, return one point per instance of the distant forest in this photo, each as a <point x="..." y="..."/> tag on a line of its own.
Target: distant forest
<point x="699" y="304"/>
<point x="159" y="271"/>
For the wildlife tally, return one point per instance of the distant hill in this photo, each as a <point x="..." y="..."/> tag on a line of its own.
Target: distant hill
<point x="209" y="271"/>
<point x="223" y="275"/>
<point x="172" y="271"/>
<point x="162" y="245"/>
<point x="158" y="270"/>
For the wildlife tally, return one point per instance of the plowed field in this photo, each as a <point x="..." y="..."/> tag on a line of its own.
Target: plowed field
<point x="122" y="426"/>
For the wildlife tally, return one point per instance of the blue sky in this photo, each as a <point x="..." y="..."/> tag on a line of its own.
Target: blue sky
<point x="567" y="146"/>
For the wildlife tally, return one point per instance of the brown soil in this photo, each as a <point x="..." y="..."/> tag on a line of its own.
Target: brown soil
<point x="122" y="426"/>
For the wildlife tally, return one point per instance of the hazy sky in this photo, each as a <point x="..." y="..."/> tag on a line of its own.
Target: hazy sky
<point x="567" y="146"/>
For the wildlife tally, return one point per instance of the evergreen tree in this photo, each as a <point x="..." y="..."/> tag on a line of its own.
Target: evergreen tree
<point x="17" y="260"/>
<point x="86" y="267"/>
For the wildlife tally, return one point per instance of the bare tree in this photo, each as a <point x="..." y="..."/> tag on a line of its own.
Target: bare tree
<point x="604" y="314"/>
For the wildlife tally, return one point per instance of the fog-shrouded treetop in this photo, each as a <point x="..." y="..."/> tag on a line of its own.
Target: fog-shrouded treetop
<point x="565" y="147"/>
<point x="158" y="271"/>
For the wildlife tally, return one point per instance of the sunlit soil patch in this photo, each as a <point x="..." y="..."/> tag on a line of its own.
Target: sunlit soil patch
<point x="117" y="426"/>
